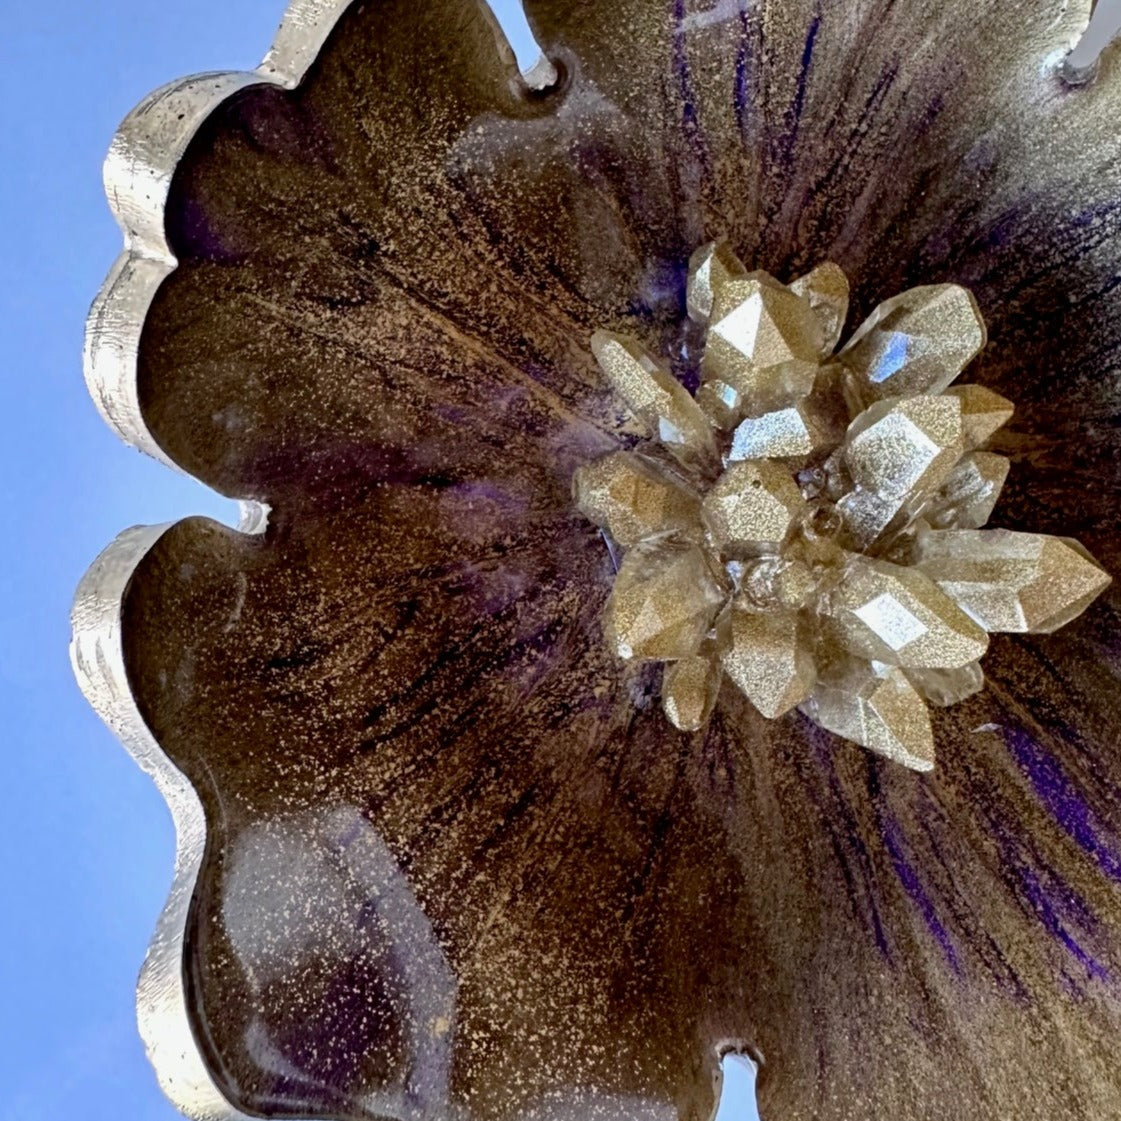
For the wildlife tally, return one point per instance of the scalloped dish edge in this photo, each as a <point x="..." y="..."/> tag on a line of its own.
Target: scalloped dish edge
<point x="140" y="166"/>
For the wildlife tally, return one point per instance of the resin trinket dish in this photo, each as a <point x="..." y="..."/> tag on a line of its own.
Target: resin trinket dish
<point x="442" y="853"/>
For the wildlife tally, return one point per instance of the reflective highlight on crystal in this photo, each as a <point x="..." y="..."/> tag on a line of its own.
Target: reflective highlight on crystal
<point x="838" y="564"/>
<point x="914" y="343"/>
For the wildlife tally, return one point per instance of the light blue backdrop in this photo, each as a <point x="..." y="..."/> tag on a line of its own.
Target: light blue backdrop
<point x="86" y="842"/>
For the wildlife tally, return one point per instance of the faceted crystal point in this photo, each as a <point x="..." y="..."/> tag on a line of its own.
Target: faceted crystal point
<point x="983" y="412"/>
<point x="663" y="603"/>
<point x="658" y="399"/>
<point x="945" y="687"/>
<point x="633" y="498"/>
<point x="968" y="496"/>
<point x="897" y="452"/>
<point x="710" y="267"/>
<point x="1010" y="581"/>
<point x="764" y="655"/>
<point x="875" y="706"/>
<point x="916" y="342"/>
<point x="827" y="290"/>
<point x="722" y="403"/>
<point x="690" y="688"/>
<point x="900" y="446"/>
<point x="896" y="615"/>
<point x="753" y="507"/>
<point x="764" y="342"/>
<point x="793" y="433"/>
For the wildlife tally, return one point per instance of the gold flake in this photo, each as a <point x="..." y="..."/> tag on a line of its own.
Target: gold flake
<point x="1011" y="581"/>
<point x="634" y="499"/>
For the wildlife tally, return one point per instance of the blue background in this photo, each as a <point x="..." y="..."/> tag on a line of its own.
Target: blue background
<point x="87" y="844"/>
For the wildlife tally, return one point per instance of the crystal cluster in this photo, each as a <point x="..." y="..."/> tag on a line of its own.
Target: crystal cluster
<point x="809" y="524"/>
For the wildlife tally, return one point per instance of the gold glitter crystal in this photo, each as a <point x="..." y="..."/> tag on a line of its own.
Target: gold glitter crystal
<point x="877" y="707"/>
<point x="764" y="342"/>
<point x="827" y="291"/>
<point x="837" y="565"/>
<point x="983" y="412"/>
<point x="690" y="688"/>
<point x="1011" y="581"/>
<point x="792" y="433"/>
<point x="657" y="398"/>
<point x="710" y="267"/>
<point x="945" y="687"/>
<point x="634" y="498"/>
<point x="753" y="507"/>
<point x="917" y="342"/>
<point x="968" y="496"/>
<point x="889" y="613"/>
<point x="896" y="452"/>
<point x="663" y="603"/>
<point x="764" y="656"/>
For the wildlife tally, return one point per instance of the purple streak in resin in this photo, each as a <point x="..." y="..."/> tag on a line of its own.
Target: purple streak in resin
<point x="1062" y="800"/>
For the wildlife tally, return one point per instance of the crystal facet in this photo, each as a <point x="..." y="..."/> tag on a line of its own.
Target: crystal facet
<point x="945" y="687"/>
<point x="899" y="616"/>
<point x="898" y="447"/>
<point x="968" y="496"/>
<point x="827" y="290"/>
<point x="764" y="342"/>
<point x="633" y="498"/>
<point x="877" y="707"/>
<point x="709" y="268"/>
<point x="657" y="398"/>
<point x="837" y="563"/>
<point x="690" y="688"/>
<point x="983" y="412"/>
<point x="914" y="343"/>
<point x="663" y="603"/>
<point x="753" y="507"/>
<point x="897" y="451"/>
<point x="793" y="433"/>
<point x="1010" y="581"/>
<point x="763" y="654"/>
<point x="777" y="584"/>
